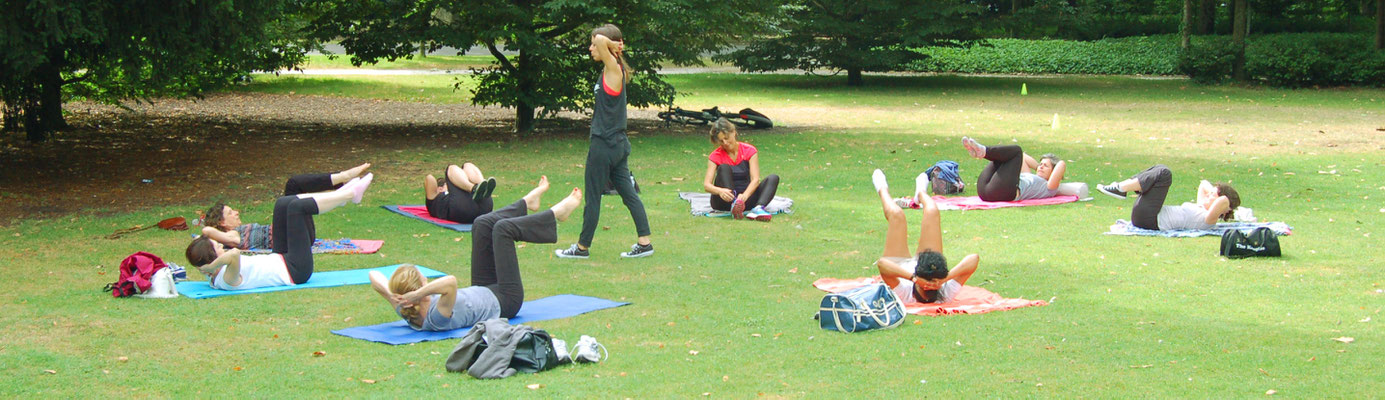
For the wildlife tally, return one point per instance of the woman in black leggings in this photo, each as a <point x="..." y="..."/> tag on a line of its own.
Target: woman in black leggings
<point x="494" y="263"/>
<point x="461" y="196"/>
<point x="222" y="223"/>
<point x="733" y="175"/>
<point x="292" y="260"/>
<point x="1007" y="176"/>
<point x="1214" y="201"/>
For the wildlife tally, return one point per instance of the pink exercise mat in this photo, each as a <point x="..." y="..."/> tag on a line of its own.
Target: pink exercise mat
<point x="970" y="300"/>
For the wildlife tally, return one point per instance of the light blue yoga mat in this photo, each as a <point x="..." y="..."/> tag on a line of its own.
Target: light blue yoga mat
<point x="421" y="213"/>
<point x="1126" y="228"/>
<point x="203" y="289"/>
<point x="552" y="307"/>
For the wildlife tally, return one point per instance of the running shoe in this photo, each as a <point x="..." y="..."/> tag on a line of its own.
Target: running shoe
<point x="638" y="250"/>
<point x="588" y="350"/>
<point x="738" y="209"/>
<point x="759" y="214"/>
<point x="1112" y="190"/>
<point x="573" y="252"/>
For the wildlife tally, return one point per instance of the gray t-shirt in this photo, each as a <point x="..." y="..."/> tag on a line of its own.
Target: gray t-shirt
<point x="1185" y="216"/>
<point x="1034" y="187"/>
<point x="474" y="304"/>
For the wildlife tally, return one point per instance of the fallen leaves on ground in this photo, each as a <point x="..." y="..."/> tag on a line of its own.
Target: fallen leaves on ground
<point x="1344" y="339"/>
<point x="319" y="353"/>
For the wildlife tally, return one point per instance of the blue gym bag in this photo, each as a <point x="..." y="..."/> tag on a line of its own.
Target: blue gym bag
<point x="861" y="309"/>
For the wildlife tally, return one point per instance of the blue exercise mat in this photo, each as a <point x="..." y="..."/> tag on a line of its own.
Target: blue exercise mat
<point x="204" y="289"/>
<point x="552" y="307"/>
<point x="421" y="213"/>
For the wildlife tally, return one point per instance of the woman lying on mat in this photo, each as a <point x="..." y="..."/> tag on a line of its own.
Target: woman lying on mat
<point x="921" y="276"/>
<point x="1214" y="201"/>
<point x="461" y="196"/>
<point x="292" y="260"/>
<point x="222" y="223"/>
<point x="733" y="175"/>
<point x="496" y="288"/>
<point x="1007" y="176"/>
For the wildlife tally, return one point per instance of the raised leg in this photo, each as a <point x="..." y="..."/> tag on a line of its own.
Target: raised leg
<point x="473" y="173"/>
<point x="723" y="179"/>
<point x="764" y="192"/>
<point x="458" y="177"/>
<point x="1153" y="185"/>
<point x="897" y="228"/>
<point x="482" y="252"/>
<point x="930" y="227"/>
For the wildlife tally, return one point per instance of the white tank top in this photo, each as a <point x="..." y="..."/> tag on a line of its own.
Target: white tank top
<point x="1185" y="216"/>
<point x="257" y="271"/>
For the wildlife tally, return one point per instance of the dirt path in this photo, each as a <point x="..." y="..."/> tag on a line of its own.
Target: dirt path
<point x="228" y="146"/>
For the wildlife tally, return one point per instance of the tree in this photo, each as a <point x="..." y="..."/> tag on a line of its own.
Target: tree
<point x="1238" y="39"/>
<point x="136" y="49"/>
<point x="1186" y="28"/>
<point x="549" y="68"/>
<point x="1379" y="24"/>
<point x="1207" y="17"/>
<point x="857" y="36"/>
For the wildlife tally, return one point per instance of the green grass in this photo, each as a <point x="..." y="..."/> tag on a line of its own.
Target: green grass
<point x="717" y="310"/>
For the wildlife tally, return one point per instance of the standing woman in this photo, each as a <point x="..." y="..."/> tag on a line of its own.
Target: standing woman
<point x="609" y="153"/>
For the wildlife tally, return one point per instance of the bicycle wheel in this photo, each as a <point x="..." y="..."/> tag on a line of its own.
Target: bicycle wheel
<point x="758" y="122"/>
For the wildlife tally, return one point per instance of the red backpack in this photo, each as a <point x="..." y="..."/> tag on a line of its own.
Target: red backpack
<point x="135" y="273"/>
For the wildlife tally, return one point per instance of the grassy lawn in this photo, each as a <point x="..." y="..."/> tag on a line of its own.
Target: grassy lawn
<point x="724" y="306"/>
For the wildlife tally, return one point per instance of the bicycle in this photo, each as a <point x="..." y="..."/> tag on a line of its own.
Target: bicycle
<point x="745" y="118"/>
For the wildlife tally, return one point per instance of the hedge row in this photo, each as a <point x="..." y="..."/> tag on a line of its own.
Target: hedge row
<point x="1286" y="60"/>
<point x="1146" y="55"/>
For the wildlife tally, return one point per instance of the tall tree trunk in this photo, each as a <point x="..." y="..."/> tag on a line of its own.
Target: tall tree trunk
<point x="1015" y="6"/>
<point x="1238" y="37"/>
<point x="524" y="110"/>
<point x="1380" y="24"/>
<point x="51" y="98"/>
<point x="1207" y="17"/>
<point x="854" y="78"/>
<point x="1364" y="6"/>
<point x="1187" y="27"/>
<point x="33" y="130"/>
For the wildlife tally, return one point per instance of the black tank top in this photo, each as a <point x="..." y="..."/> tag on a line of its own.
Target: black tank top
<point x="608" y="114"/>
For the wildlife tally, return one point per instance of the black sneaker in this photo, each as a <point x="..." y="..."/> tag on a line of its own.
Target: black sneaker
<point x="1112" y="190"/>
<point x="574" y="252"/>
<point x="639" y="250"/>
<point x="483" y="190"/>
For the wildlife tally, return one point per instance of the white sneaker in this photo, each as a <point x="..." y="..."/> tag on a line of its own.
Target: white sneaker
<point x="586" y="350"/>
<point x="560" y="348"/>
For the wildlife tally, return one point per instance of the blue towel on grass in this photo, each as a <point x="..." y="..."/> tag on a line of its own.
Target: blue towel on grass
<point x="420" y="213"/>
<point x="204" y="289"/>
<point x="552" y="307"/>
<point x="1125" y="228"/>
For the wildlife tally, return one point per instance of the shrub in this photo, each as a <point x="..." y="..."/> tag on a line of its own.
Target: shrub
<point x="1207" y="61"/>
<point x="1289" y="60"/>
<point x="1126" y="56"/>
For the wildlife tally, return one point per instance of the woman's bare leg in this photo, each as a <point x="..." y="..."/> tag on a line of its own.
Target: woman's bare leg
<point x="897" y="230"/>
<point x="531" y="200"/>
<point x="1129" y="185"/>
<point x="931" y="227"/>
<point x="459" y="178"/>
<point x="430" y="187"/>
<point x="343" y="176"/>
<point x="473" y="173"/>
<point x="564" y="208"/>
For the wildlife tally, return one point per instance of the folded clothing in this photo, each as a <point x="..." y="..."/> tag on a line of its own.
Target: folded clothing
<point x="702" y="205"/>
<point x="1125" y="228"/>
<point x="970" y="300"/>
<point x="421" y="213"/>
<point x="552" y="307"/>
<point x="336" y="246"/>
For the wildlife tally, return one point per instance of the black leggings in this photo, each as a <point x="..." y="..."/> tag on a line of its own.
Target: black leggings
<point x="1000" y="180"/>
<point x="764" y="192"/>
<point x="459" y="206"/>
<point x="1154" y="188"/>
<point x="609" y="164"/>
<point x="293" y="235"/>
<point x="305" y="183"/>
<point x="494" y="263"/>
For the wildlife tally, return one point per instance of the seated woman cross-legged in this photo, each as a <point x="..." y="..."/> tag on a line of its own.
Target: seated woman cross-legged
<point x="496" y="288"/>
<point x="461" y="196"/>
<point x="1214" y="201"/>
<point x="733" y="175"/>
<point x="292" y="260"/>
<point x="922" y="276"/>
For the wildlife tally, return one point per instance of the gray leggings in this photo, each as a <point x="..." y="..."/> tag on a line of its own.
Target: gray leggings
<point x="1154" y="188"/>
<point x="494" y="263"/>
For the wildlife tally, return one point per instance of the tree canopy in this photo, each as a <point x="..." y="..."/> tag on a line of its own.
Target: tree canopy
<point x="549" y="69"/>
<point x="857" y="35"/>
<point x="135" y="49"/>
